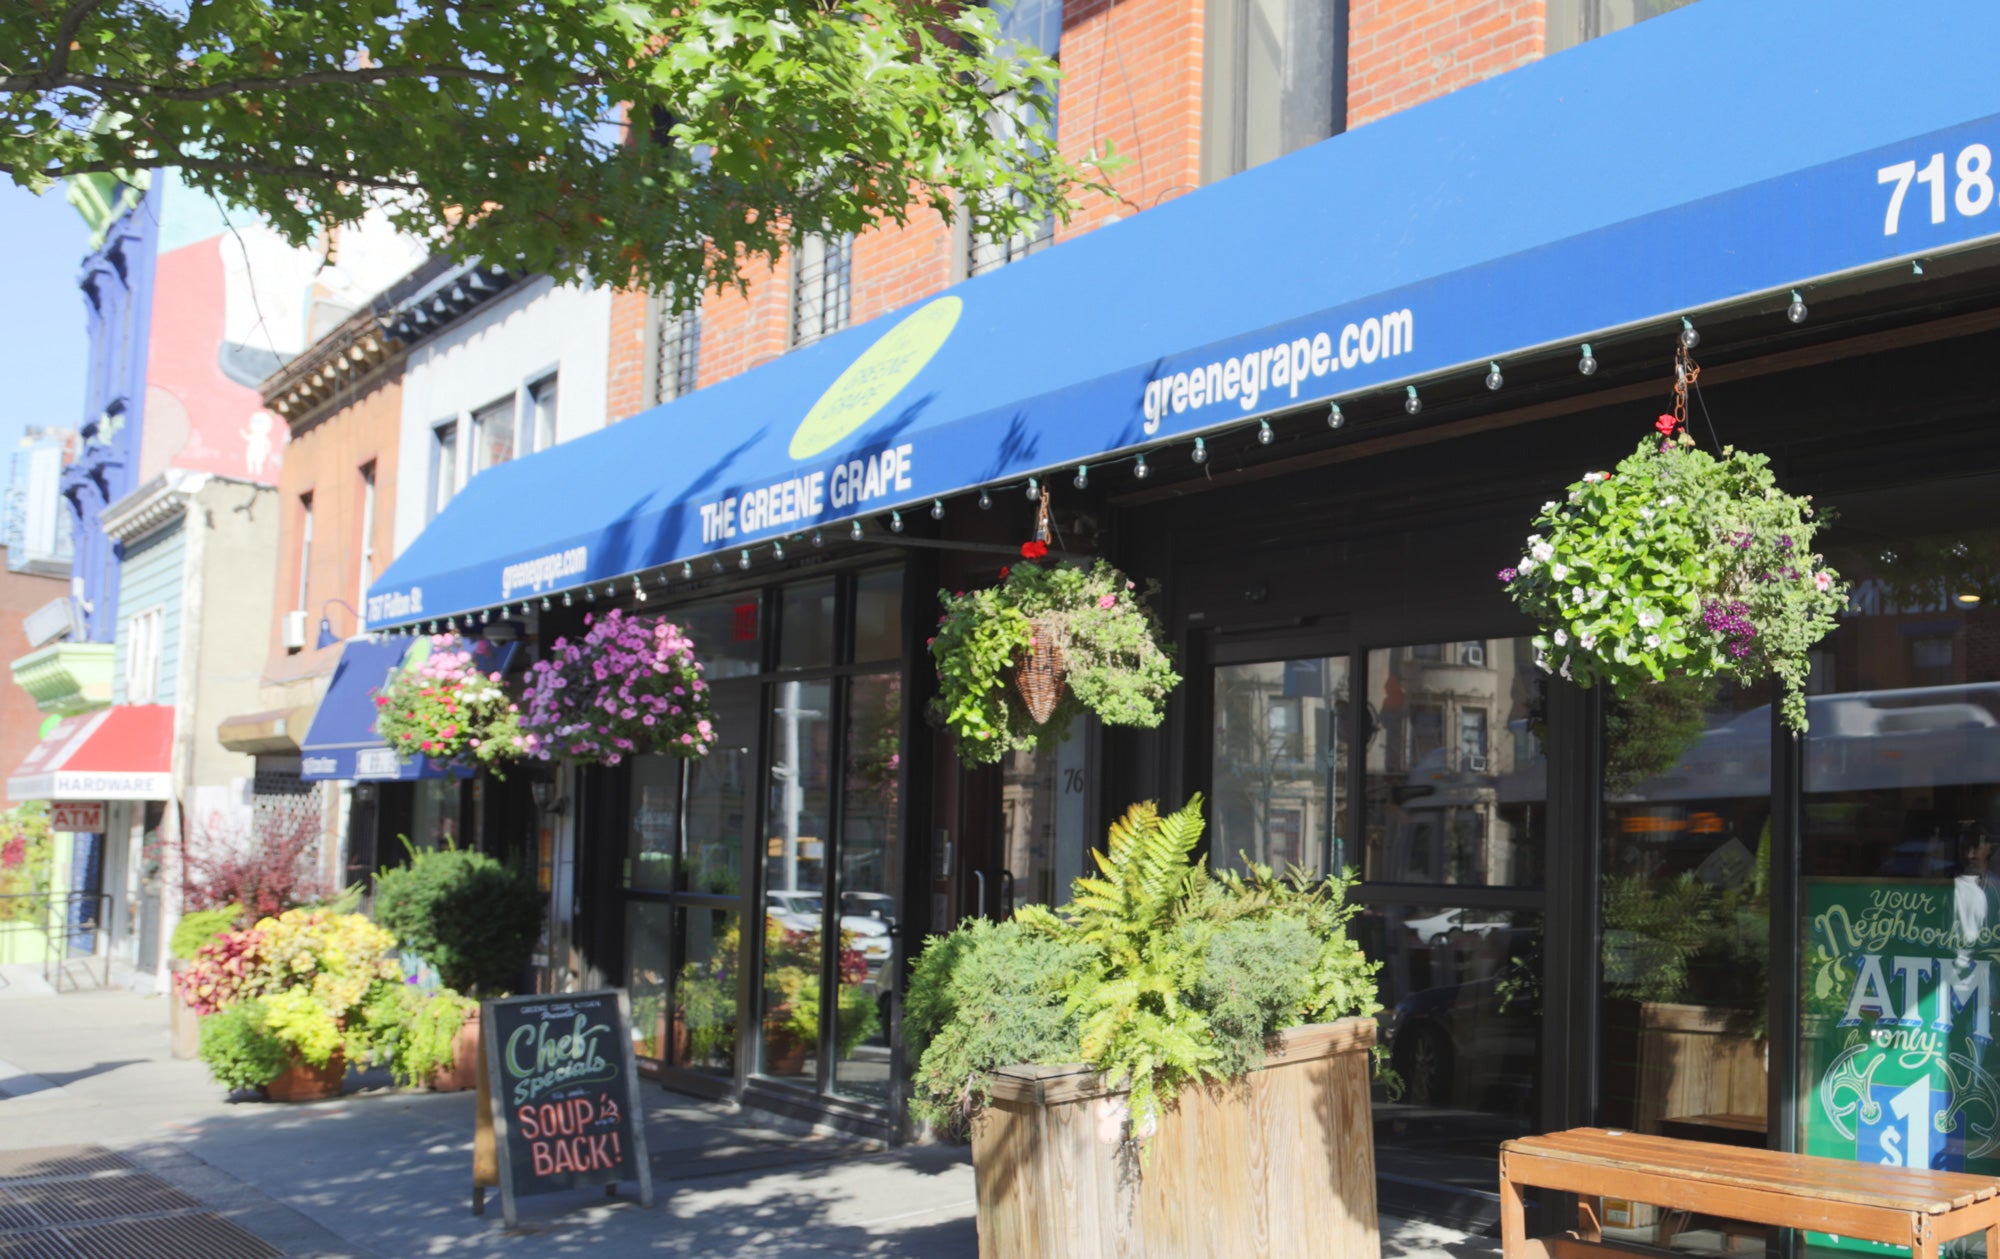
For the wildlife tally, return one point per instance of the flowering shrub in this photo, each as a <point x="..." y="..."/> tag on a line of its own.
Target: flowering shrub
<point x="1678" y="564"/>
<point x="439" y="704"/>
<point x="1109" y="638"/>
<point x="27" y="862"/>
<point x="334" y="958"/>
<point x="631" y="685"/>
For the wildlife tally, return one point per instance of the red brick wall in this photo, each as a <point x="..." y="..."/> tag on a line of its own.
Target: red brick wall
<point x="20" y="720"/>
<point x="324" y="459"/>
<point x="1133" y="77"/>
<point x="1404" y="52"/>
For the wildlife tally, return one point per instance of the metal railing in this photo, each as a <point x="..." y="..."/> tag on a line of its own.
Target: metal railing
<point x="74" y="931"/>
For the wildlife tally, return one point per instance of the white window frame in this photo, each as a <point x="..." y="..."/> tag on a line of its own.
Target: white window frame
<point x="143" y="631"/>
<point x="549" y="383"/>
<point x="367" y="547"/>
<point x="444" y="463"/>
<point x="305" y="549"/>
<point x="508" y="405"/>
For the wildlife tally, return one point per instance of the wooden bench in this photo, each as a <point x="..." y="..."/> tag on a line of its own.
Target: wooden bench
<point x="1894" y="1205"/>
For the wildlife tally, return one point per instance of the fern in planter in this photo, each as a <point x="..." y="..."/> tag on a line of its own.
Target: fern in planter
<point x="1159" y="974"/>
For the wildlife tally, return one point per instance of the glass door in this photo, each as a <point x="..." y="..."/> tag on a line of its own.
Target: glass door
<point x="1453" y="790"/>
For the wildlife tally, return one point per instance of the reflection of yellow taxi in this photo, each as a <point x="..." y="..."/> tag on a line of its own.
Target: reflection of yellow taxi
<point x="810" y="848"/>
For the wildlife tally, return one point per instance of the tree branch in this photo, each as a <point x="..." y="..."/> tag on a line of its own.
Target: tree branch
<point x="108" y="166"/>
<point x="360" y="76"/>
<point x="72" y="22"/>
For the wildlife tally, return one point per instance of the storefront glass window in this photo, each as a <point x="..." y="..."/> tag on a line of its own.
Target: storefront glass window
<point x="870" y="906"/>
<point x="878" y="616"/>
<point x="1685" y="914"/>
<point x="703" y="1028"/>
<point x="1456" y="781"/>
<point x="726" y="635"/>
<point x="1279" y="773"/>
<point x="653" y="837"/>
<point x="1462" y="991"/>
<point x="798" y="790"/>
<point x="1902" y="889"/>
<point x="434" y="817"/>
<point x="805" y="626"/>
<point x="1044" y="820"/>
<point x="718" y="795"/>
<point x="647" y="960"/>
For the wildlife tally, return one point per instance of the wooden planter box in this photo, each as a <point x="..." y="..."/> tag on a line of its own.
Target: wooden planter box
<point x="1279" y="1164"/>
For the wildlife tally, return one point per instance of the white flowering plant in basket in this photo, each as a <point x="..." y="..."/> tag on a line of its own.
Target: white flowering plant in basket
<point x="1678" y="563"/>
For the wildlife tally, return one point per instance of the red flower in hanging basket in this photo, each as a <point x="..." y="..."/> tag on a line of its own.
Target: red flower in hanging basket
<point x="1034" y="550"/>
<point x="1666" y="424"/>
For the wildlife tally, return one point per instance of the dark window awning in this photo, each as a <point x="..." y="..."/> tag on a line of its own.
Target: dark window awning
<point x="342" y="743"/>
<point x="1730" y="150"/>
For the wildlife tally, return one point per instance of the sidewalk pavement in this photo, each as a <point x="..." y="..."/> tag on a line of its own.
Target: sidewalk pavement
<point x="383" y="1174"/>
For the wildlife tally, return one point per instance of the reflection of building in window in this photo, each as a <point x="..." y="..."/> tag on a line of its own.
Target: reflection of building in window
<point x="1472" y="740"/>
<point x="1278" y="781"/>
<point x="1931" y="662"/>
<point x="1454" y="781"/>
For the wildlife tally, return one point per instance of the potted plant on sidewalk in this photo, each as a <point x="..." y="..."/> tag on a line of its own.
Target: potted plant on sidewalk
<point x="1099" y="1054"/>
<point x="282" y="1002"/>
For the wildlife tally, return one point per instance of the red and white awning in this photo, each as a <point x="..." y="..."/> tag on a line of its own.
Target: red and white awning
<point x="122" y="753"/>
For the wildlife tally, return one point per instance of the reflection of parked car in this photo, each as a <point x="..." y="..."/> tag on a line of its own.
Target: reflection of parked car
<point x="1473" y="1044"/>
<point x="869" y="930"/>
<point x="1441" y="927"/>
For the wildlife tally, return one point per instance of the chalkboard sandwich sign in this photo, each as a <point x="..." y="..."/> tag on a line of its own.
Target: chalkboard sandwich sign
<point x="558" y="1100"/>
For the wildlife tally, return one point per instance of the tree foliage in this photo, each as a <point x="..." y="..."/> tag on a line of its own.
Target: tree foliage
<point x="653" y="143"/>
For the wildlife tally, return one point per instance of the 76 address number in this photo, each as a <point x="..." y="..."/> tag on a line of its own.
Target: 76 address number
<point x="1971" y="193"/>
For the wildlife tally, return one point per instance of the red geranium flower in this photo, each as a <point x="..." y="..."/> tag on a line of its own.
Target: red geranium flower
<point x="1666" y="424"/>
<point x="1034" y="550"/>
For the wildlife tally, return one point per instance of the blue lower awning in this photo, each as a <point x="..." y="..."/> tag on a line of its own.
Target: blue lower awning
<point x="1729" y="150"/>
<point x="342" y="743"/>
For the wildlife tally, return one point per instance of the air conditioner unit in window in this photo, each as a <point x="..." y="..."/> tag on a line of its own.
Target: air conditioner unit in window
<point x="1475" y="763"/>
<point x="294" y="632"/>
<point x="1475" y="654"/>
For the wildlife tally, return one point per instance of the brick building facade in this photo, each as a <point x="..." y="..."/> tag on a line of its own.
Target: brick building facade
<point x="1143" y="77"/>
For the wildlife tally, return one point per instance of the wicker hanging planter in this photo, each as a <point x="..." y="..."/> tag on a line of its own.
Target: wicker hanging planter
<point x="1038" y="675"/>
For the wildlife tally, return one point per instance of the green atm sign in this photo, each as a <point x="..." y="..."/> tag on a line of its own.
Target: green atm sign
<point x="1897" y="1036"/>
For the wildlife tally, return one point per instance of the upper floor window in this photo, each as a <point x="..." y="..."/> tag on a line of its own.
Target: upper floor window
<point x="542" y="403"/>
<point x="1037" y="24"/>
<point x="821" y="279"/>
<point x="493" y="434"/>
<point x="1571" y="22"/>
<point x="444" y="465"/>
<point x="676" y="350"/>
<point x="1274" y="80"/>
<point x="305" y="548"/>
<point x="142" y="656"/>
<point x="367" y="528"/>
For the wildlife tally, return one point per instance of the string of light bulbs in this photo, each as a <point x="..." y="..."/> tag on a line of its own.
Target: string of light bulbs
<point x="1030" y="487"/>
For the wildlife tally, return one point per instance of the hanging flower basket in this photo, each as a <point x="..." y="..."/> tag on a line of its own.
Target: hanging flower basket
<point x="439" y="703"/>
<point x="1678" y="564"/>
<point x="631" y="685"/>
<point x="1017" y="661"/>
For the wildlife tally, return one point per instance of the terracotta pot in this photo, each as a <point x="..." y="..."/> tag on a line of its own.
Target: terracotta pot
<point x="303" y="1082"/>
<point x="463" y="1073"/>
<point x="784" y="1053"/>
<point x="683" y="1048"/>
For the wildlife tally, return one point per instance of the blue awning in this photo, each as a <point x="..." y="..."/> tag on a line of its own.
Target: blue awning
<point x="1730" y="149"/>
<point x="342" y="743"/>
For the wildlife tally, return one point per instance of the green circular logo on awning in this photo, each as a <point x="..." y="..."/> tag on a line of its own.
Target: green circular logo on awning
<point x="858" y="394"/>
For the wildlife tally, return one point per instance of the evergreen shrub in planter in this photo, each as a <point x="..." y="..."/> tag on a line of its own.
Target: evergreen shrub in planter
<point x="1099" y="1048"/>
<point x="473" y="918"/>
